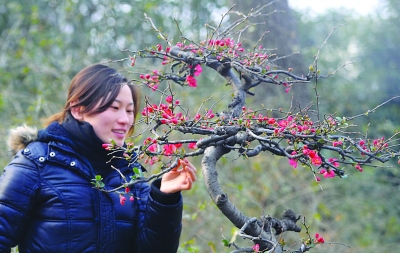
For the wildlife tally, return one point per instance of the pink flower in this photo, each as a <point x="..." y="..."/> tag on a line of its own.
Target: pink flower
<point x="153" y="160"/>
<point x="358" y="167"/>
<point x="133" y="60"/>
<point x="319" y="239"/>
<point x="192" y="145"/>
<point x="191" y="81"/>
<point x="315" y="159"/>
<point x="122" y="199"/>
<point x="256" y="248"/>
<point x="327" y="173"/>
<point x="169" y="149"/>
<point x="153" y="148"/>
<point x="107" y="146"/>
<point x="131" y="199"/>
<point x="293" y="163"/>
<point x="271" y="121"/>
<point x="283" y="123"/>
<point x="168" y="99"/>
<point x="127" y="190"/>
<point x="334" y="162"/>
<point x="198" y="70"/>
<point x="210" y="114"/>
<point x="337" y="143"/>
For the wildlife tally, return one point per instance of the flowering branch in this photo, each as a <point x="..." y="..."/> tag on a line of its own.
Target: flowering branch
<point x="324" y="145"/>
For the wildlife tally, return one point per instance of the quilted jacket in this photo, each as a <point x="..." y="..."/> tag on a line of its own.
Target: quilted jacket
<point x="48" y="204"/>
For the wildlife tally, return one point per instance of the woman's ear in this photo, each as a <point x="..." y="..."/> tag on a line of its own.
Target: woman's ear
<point x="76" y="111"/>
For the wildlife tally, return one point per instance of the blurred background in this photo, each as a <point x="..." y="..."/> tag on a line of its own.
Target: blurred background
<point x="44" y="43"/>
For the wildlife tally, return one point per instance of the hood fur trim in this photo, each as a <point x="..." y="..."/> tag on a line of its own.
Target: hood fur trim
<point x="20" y="137"/>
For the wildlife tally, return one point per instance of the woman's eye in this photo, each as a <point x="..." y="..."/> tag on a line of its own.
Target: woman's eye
<point x="114" y="107"/>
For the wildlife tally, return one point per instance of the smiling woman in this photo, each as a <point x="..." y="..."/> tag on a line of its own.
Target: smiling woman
<point x="93" y="91"/>
<point x="47" y="200"/>
<point x="115" y="122"/>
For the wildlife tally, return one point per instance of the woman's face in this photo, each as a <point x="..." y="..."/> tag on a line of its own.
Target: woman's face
<point x="115" y="122"/>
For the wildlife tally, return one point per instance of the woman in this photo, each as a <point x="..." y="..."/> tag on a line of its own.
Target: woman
<point x="47" y="201"/>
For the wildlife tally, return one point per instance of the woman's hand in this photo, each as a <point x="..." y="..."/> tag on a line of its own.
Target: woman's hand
<point x="179" y="179"/>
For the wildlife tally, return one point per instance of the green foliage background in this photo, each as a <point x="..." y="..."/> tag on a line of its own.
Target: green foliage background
<point x="44" y="43"/>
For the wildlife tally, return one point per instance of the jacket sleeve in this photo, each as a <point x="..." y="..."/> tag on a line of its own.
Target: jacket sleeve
<point x="18" y="185"/>
<point x="160" y="221"/>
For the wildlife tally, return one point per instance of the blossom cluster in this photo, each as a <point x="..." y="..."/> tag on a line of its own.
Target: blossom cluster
<point x="122" y="198"/>
<point x="312" y="242"/>
<point x="377" y="144"/>
<point x="165" y="112"/>
<point x="299" y="126"/>
<point x="307" y="153"/>
<point x="152" y="80"/>
<point x="220" y="49"/>
<point x="167" y="149"/>
<point x="291" y="124"/>
<point x="318" y="239"/>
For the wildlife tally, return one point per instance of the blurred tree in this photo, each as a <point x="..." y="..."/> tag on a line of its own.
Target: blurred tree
<point x="371" y="46"/>
<point x="276" y="30"/>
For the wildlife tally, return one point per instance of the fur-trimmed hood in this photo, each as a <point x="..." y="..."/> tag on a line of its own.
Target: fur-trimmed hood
<point x="20" y="137"/>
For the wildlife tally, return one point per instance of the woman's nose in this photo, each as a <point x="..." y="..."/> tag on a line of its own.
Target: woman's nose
<point x="124" y="117"/>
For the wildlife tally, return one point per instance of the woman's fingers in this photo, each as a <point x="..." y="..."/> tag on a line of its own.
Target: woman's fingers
<point x="187" y="166"/>
<point x="192" y="172"/>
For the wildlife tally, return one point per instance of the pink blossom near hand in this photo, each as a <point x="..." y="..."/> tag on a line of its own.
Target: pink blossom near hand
<point x="180" y="178"/>
<point x="169" y="149"/>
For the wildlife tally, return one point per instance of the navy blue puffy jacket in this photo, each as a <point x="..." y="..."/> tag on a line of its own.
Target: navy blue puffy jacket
<point x="48" y="204"/>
